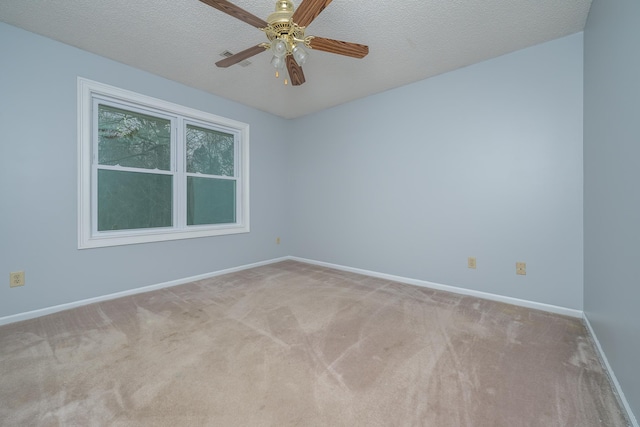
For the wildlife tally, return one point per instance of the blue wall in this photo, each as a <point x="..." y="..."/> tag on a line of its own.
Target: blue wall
<point x="611" y="195"/>
<point x="485" y="161"/>
<point x="38" y="182"/>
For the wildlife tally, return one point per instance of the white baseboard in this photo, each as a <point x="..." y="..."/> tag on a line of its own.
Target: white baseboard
<point x="616" y="384"/>
<point x="54" y="309"/>
<point x="425" y="284"/>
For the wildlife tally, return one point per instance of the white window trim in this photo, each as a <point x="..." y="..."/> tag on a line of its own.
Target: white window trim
<point x="87" y="237"/>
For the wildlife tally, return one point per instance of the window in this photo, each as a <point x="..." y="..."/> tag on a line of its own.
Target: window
<point x="150" y="170"/>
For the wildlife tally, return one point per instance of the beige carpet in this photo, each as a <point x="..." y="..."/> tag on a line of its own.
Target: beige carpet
<point x="292" y="344"/>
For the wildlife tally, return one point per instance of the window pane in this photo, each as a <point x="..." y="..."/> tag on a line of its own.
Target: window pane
<point x="130" y="200"/>
<point x="132" y="139"/>
<point x="211" y="201"/>
<point x="209" y="152"/>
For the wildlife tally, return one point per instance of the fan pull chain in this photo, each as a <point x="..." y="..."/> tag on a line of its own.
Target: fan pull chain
<point x="286" y="81"/>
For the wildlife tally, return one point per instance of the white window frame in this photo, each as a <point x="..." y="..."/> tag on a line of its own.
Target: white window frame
<point x="88" y="236"/>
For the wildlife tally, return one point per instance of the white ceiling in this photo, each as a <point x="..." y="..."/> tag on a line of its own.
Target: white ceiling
<point x="408" y="41"/>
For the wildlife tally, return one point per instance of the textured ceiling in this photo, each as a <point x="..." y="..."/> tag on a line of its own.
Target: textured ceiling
<point x="408" y="41"/>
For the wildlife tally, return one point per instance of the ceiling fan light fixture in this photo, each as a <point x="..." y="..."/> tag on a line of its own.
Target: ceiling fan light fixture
<point x="300" y="54"/>
<point x="277" y="62"/>
<point x="279" y="47"/>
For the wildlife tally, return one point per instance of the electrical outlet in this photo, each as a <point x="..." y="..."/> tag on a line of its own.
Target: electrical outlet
<point x="471" y="262"/>
<point x="277" y="240"/>
<point x="16" y="279"/>
<point x="521" y="268"/>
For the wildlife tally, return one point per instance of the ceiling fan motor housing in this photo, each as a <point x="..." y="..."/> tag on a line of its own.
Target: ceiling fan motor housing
<point x="282" y="27"/>
<point x="283" y="13"/>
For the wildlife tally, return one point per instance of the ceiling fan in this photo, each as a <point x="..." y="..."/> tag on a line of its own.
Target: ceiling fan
<point x="285" y="30"/>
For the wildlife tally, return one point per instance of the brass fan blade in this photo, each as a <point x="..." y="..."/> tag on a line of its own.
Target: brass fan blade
<point x="295" y="71"/>
<point x="308" y="10"/>
<point x="236" y="12"/>
<point x="341" y="48"/>
<point x="240" y="56"/>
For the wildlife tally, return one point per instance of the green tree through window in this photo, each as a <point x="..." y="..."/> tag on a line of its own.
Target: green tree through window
<point x="130" y="199"/>
<point x="151" y="170"/>
<point x="131" y="139"/>
<point x="211" y="196"/>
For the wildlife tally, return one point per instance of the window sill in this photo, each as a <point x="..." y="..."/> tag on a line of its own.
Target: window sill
<point x="159" y="235"/>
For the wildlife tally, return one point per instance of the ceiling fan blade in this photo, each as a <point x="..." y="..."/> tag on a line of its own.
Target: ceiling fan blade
<point x="236" y="12"/>
<point x="308" y="10"/>
<point x="295" y="71"/>
<point x="341" y="48"/>
<point x="240" y="56"/>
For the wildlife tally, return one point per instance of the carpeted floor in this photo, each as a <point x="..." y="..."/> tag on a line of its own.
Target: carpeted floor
<point x="292" y="344"/>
